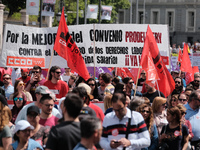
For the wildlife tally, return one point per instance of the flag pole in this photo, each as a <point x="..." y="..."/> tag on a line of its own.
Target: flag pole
<point x="137" y="80"/>
<point x="158" y="88"/>
<point x="50" y="63"/>
<point x="94" y="51"/>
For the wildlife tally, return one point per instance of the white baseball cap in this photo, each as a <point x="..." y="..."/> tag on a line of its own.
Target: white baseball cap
<point x="22" y="125"/>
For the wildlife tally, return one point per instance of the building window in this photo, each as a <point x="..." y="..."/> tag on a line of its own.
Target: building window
<point x="190" y="20"/>
<point x="140" y="17"/>
<point x="170" y="19"/>
<point x="155" y="17"/>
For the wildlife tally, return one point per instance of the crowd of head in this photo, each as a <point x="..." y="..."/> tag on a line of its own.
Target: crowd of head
<point x="62" y="112"/>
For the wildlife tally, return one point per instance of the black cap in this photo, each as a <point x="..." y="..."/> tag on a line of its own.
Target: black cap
<point x="3" y="100"/>
<point x="33" y="109"/>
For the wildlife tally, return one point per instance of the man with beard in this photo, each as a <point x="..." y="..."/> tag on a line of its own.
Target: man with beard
<point x="7" y="87"/>
<point x="195" y="84"/>
<point x="178" y="86"/>
<point x="35" y="81"/>
<point x="193" y="115"/>
<point x="46" y="117"/>
<point x="55" y="85"/>
<point x="152" y="92"/>
<point x="24" y="75"/>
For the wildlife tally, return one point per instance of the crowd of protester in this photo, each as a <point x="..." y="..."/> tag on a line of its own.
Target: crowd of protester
<point x="60" y="112"/>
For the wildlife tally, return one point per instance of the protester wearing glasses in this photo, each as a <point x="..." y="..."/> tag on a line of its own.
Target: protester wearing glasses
<point x="159" y="111"/>
<point x="94" y="89"/>
<point x="22" y="134"/>
<point x="35" y="81"/>
<point x="55" y="85"/>
<point x="19" y="100"/>
<point x="182" y="99"/>
<point x="178" y="86"/>
<point x="9" y="89"/>
<point x="24" y="75"/>
<point x="195" y="84"/>
<point x="19" y="88"/>
<point x="142" y="78"/>
<point x="115" y="127"/>
<point x="193" y="115"/>
<point x="173" y="101"/>
<point x="147" y="113"/>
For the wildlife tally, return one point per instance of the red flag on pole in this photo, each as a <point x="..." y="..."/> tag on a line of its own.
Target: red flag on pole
<point x="186" y="65"/>
<point x="180" y="55"/>
<point x="166" y="83"/>
<point x="195" y="69"/>
<point x="67" y="48"/>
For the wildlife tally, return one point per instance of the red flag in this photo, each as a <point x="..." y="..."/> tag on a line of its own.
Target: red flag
<point x="166" y="83"/>
<point x="67" y="48"/>
<point x="195" y="69"/>
<point x="180" y="55"/>
<point x="124" y="72"/>
<point x="186" y="65"/>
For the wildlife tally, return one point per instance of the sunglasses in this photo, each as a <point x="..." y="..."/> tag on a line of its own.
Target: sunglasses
<point x="183" y="113"/>
<point x="177" y="82"/>
<point x="196" y="81"/>
<point x="130" y="82"/>
<point x="143" y="111"/>
<point x="58" y="72"/>
<point x="91" y="84"/>
<point x="35" y="71"/>
<point x="6" y="78"/>
<point x="142" y="73"/>
<point x="182" y="100"/>
<point x="173" y="100"/>
<point x="21" y="84"/>
<point x="18" y="98"/>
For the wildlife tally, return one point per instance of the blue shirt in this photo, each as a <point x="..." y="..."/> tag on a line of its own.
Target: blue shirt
<point x="8" y="91"/>
<point x="194" y="117"/>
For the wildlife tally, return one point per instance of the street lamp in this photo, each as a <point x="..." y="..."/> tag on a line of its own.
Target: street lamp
<point x="58" y="15"/>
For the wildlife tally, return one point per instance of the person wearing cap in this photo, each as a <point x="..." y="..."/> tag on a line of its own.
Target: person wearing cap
<point x="24" y="75"/>
<point x="35" y="81"/>
<point x="9" y="89"/>
<point x="55" y="85"/>
<point x="67" y="134"/>
<point x="46" y="117"/>
<point x="88" y="97"/>
<point x="22" y="134"/>
<point x="40" y="133"/>
<point x="39" y="92"/>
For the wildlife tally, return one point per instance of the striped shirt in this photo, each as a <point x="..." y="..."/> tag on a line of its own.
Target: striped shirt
<point x="115" y="129"/>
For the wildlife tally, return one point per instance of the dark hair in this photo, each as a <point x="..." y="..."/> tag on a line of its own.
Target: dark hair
<point x="73" y="104"/>
<point x="125" y="80"/>
<point x="81" y="92"/>
<point x="80" y="79"/>
<point x="45" y="97"/>
<point x="6" y="74"/>
<point x="53" y="69"/>
<point x="118" y="96"/>
<point x="115" y="80"/>
<point x="89" y="125"/>
<point x="106" y="77"/>
<point x="95" y="93"/>
<point x="193" y="95"/>
<point x="37" y="67"/>
<point x="16" y="84"/>
<point x="15" y="137"/>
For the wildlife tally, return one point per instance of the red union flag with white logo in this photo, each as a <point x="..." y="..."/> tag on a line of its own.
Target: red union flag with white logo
<point x="32" y="7"/>
<point x="67" y="48"/>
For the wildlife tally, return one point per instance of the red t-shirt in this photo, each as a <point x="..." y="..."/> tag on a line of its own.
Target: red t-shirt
<point x="24" y="80"/>
<point x="60" y="88"/>
<point x="97" y="110"/>
<point x="52" y="121"/>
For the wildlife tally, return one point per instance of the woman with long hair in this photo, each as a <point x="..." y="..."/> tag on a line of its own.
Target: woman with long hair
<point x="22" y="133"/>
<point x="19" y="88"/>
<point x="173" y="101"/>
<point x="19" y="100"/>
<point x="94" y="88"/>
<point x="175" y="135"/>
<point x="5" y="117"/>
<point x="159" y="112"/>
<point x="147" y="114"/>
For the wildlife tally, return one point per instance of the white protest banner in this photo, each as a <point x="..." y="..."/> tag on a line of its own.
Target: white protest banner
<point x="32" y="7"/>
<point x="48" y="7"/>
<point x="92" y="11"/>
<point x="116" y="45"/>
<point x="106" y="12"/>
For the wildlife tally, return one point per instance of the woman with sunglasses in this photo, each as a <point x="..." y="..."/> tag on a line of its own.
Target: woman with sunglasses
<point x="173" y="101"/>
<point x="22" y="133"/>
<point x="182" y="99"/>
<point x="94" y="89"/>
<point x="19" y="88"/>
<point x="147" y="113"/>
<point x="175" y="135"/>
<point x="159" y="111"/>
<point x="19" y="100"/>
